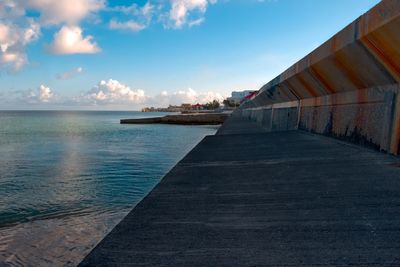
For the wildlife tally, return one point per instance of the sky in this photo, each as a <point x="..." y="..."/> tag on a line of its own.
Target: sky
<point x="126" y="54"/>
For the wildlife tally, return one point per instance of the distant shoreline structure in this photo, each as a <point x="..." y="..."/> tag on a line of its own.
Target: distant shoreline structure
<point x="230" y="103"/>
<point x="213" y="105"/>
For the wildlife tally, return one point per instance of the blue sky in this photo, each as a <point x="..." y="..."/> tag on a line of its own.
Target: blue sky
<point x="94" y="54"/>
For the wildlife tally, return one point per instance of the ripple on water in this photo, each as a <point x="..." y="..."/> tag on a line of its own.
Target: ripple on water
<point x="54" y="242"/>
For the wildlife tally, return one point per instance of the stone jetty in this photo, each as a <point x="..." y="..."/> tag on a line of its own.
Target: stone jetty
<point x="183" y="119"/>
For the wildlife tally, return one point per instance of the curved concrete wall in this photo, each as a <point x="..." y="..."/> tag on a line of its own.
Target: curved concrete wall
<point x="347" y="87"/>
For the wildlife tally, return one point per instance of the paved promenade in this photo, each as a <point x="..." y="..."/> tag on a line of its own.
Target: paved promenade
<point x="248" y="198"/>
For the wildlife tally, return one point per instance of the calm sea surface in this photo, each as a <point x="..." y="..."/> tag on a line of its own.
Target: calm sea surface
<point x="66" y="178"/>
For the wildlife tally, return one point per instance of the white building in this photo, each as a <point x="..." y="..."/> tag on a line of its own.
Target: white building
<point x="237" y="96"/>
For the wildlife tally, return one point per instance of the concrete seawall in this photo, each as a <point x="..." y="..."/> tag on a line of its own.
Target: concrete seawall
<point x="346" y="88"/>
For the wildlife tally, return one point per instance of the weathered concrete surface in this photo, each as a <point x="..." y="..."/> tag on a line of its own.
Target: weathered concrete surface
<point x="184" y="119"/>
<point x="265" y="199"/>
<point x="236" y="125"/>
<point x="349" y="117"/>
<point x="361" y="64"/>
<point x="344" y="115"/>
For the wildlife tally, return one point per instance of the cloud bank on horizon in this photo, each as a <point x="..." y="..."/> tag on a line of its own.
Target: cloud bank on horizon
<point x="112" y="93"/>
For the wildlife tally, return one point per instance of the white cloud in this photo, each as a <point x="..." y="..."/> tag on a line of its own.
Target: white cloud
<point x="70" y="74"/>
<point x="45" y="93"/>
<point x="134" y="9"/>
<point x="70" y="12"/>
<point x="189" y="96"/>
<point x="174" y="14"/>
<point x="147" y="9"/>
<point x="13" y="41"/>
<point x="11" y="9"/>
<point x="69" y="40"/>
<point x="42" y="95"/>
<point x="181" y="11"/>
<point x="142" y="17"/>
<point x="18" y="28"/>
<point x="196" y="22"/>
<point x="129" y="25"/>
<point x="114" y="92"/>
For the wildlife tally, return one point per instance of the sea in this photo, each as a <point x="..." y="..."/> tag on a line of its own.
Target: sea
<point x="68" y="177"/>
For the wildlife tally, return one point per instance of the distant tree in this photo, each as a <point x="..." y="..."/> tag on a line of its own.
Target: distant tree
<point x="230" y="104"/>
<point x="215" y="104"/>
<point x="212" y="105"/>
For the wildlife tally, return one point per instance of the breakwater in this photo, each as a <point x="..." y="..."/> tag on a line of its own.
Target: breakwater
<point x="182" y="119"/>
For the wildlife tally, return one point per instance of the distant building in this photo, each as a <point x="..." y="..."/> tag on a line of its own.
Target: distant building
<point x="250" y="96"/>
<point x="197" y="107"/>
<point x="238" y="96"/>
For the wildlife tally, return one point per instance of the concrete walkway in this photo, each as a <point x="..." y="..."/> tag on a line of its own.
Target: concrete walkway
<point x="265" y="199"/>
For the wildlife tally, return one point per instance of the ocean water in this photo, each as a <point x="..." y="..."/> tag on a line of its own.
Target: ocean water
<point x="66" y="178"/>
